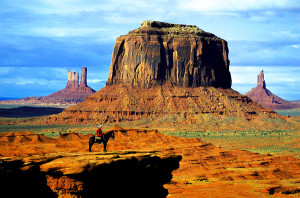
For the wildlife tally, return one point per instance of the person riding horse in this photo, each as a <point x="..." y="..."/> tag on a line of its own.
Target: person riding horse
<point x="101" y="138"/>
<point x="99" y="135"/>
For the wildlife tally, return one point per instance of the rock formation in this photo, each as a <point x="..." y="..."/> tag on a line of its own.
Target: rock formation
<point x="266" y="98"/>
<point x="164" y="69"/>
<point x="83" y="80"/>
<point x="41" y="166"/>
<point x="72" y="94"/>
<point x="158" y="53"/>
<point x="87" y="175"/>
<point x="261" y="80"/>
<point x="72" y="80"/>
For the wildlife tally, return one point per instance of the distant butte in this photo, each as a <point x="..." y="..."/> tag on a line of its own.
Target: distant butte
<point x="73" y="91"/>
<point x="72" y="94"/>
<point x="266" y="98"/>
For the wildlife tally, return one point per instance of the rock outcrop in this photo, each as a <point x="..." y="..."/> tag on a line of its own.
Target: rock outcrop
<point x="164" y="69"/>
<point x="118" y="174"/>
<point x="72" y="94"/>
<point x="160" y="53"/>
<point x="41" y="166"/>
<point x="266" y="98"/>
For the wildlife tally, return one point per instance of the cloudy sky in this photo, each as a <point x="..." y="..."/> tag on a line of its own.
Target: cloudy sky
<point x="40" y="40"/>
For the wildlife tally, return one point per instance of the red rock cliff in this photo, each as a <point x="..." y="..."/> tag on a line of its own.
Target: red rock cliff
<point x="160" y="53"/>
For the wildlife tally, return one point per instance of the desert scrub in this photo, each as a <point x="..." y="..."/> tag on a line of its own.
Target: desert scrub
<point x="282" y="142"/>
<point x="49" y="130"/>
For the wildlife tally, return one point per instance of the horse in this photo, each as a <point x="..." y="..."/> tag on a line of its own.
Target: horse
<point x="106" y="137"/>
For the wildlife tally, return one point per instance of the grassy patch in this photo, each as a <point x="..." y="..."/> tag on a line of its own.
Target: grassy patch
<point x="291" y="112"/>
<point x="283" y="142"/>
<point x="49" y="130"/>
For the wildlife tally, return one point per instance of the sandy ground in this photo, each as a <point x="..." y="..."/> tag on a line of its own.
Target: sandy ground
<point x="205" y="170"/>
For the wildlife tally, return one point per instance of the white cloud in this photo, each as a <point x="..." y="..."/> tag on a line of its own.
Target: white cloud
<point x="286" y="34"/>
<point x="24" y="82"/>
<point x="65" y="32"/>
<point x="74" y="7"/>
<point x="95" y="80"/>
<point x="236" y="5"/>
<point x="68" y="7"/>
<point x="258" y="18"/>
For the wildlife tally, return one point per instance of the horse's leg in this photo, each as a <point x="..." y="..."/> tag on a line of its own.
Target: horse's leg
<point x="91" y="142"/>
<point x="104" y="146"/>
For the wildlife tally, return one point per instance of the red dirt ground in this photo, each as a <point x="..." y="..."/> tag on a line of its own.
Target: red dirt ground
<point x="205" y="170"/>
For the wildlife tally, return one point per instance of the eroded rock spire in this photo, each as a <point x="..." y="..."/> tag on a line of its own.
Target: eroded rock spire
<point x="261" y="80"/>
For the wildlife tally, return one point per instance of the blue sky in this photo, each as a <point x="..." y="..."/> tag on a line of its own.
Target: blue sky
<point x="40" y="40"/>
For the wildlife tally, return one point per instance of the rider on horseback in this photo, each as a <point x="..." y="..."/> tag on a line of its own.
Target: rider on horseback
<point x="99" y="135"/>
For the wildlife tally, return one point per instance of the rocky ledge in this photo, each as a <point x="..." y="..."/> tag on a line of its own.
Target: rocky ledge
<point x="114" y="174"/>
<point x="163" y="28"/>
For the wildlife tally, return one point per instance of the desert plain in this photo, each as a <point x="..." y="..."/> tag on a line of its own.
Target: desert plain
<point x="214" y="164"/>
<point x="176" y="129"/>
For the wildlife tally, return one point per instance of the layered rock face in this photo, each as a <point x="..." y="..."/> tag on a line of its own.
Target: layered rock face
<point x="160" y="53"/>
<point x="164" y="69"/>
<point x="266" y="98"/>
<point x="117" y="103"/>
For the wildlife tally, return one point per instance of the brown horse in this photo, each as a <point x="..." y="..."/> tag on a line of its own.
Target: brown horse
<point x="103" y="141"/>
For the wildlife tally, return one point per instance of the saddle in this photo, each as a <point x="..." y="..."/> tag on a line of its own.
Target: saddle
<point x="98" y="139"/>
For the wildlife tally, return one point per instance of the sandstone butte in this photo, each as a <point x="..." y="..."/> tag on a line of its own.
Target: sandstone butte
<point x="160" y="53"/>
<point x="266" y="98"/>
<point x="163" y="69"/>
<point x="72" y="94"/>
